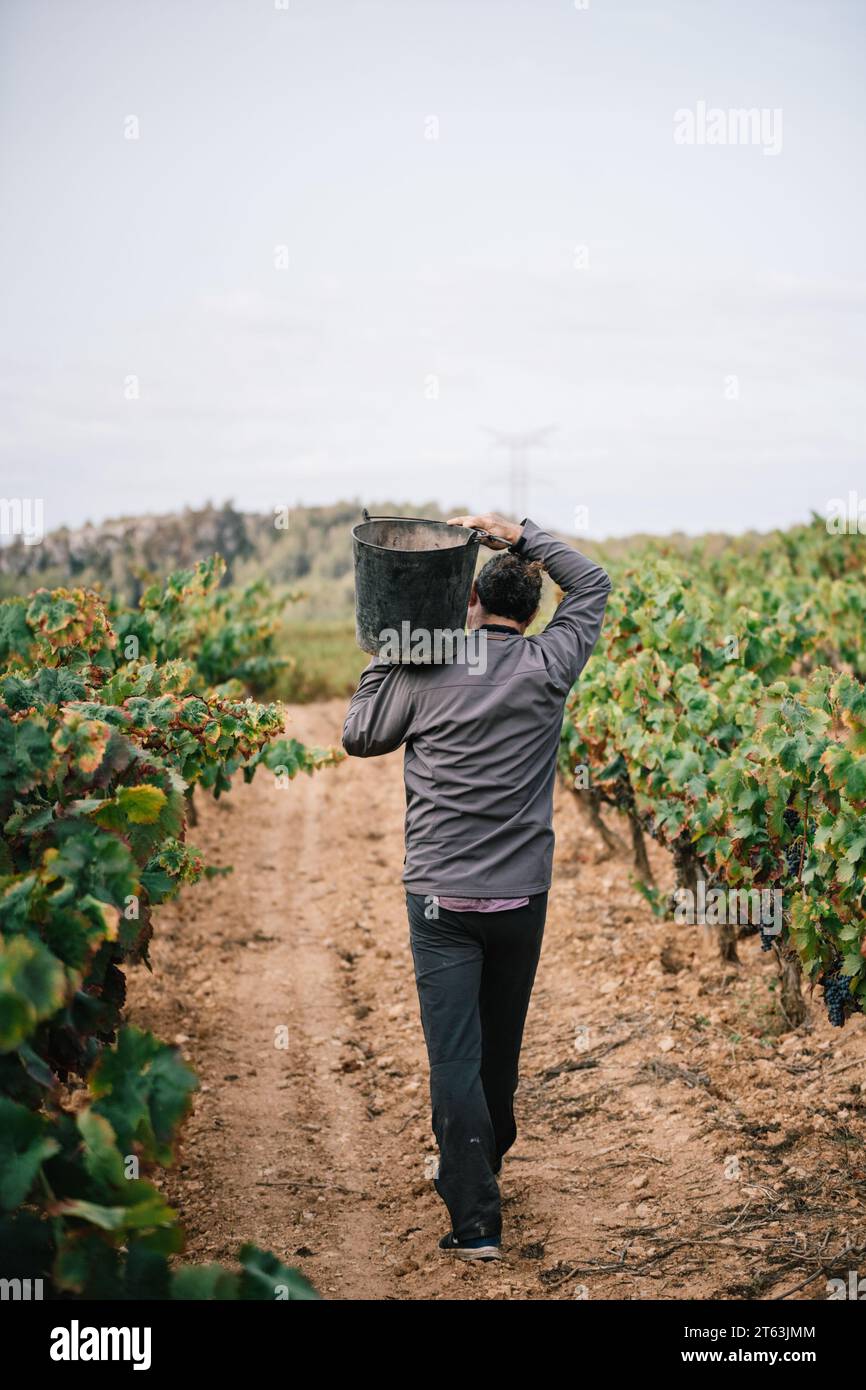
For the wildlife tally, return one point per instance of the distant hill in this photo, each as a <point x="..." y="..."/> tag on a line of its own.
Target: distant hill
<point x="312" y="555"/>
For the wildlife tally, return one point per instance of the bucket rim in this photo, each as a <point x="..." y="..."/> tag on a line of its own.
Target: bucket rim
<point x="425" y="520"/>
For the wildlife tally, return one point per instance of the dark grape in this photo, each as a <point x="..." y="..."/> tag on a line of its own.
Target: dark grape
<point x="792" y="859"/>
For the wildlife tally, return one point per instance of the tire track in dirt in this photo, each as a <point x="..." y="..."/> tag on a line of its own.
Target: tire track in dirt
<point x="670" y="1145"/>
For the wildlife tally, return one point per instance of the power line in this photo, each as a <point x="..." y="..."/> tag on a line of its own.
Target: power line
<point x="517" y="446"/>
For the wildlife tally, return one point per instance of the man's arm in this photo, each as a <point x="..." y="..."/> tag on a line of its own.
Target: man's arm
<point x="573" y="630"/>
<point x="380" y="711"/>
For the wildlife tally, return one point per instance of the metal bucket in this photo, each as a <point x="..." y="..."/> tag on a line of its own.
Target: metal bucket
<point x="413" y="579"/>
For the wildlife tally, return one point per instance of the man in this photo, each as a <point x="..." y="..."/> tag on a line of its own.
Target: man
<point x="481" y="740"/>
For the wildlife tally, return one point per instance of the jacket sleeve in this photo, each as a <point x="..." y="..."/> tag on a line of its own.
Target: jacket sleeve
<point x="380" y="711"/>
<point x="573" y="631"/>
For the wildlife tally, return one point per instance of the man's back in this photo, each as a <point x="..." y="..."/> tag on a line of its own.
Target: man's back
<point x="481" y="740"/>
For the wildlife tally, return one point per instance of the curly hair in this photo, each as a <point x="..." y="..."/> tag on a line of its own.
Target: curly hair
<point x="510" y="587"/>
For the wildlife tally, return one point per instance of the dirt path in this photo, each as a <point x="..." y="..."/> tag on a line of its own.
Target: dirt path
<point x="671" y="1144"/>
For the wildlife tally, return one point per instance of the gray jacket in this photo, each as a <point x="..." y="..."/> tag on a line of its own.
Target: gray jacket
<point x="481" y="748"/>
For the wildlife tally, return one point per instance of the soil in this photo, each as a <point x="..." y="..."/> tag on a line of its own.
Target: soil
<point x="673" y="1142"/>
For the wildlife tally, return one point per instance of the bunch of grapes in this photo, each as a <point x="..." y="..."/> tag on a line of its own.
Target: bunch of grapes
<point x="767" y="940"/>
<point x="837" y="996"/>
<point x="793" y="852"/>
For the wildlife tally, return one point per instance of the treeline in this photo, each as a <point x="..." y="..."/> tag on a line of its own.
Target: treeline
<point x="306" y="548"/>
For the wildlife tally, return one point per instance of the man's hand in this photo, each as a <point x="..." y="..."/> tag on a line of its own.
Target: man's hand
<point x="510" y="531"/>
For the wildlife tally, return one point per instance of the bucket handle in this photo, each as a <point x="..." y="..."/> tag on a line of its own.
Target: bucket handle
<point x="476" y="534"/>
<point x="491" y="537"/>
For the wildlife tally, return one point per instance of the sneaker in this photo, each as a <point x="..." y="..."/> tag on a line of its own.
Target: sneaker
<point x="478" y="1248"/>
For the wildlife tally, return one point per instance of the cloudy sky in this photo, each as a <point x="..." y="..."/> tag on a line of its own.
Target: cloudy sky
<point x="295" y="252"/>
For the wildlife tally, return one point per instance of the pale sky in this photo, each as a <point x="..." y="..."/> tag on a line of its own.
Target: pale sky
<point x="701" y="358"/>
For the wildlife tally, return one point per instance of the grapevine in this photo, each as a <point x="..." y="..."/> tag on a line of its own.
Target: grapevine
<point x="101" y="740"/>
<point x="710" y="697"/>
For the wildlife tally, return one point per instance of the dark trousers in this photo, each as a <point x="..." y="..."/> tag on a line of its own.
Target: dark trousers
<point x="474" y="972"/>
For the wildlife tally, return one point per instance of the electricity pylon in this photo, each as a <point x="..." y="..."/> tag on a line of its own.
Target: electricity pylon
<point x="517" y="446"/>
